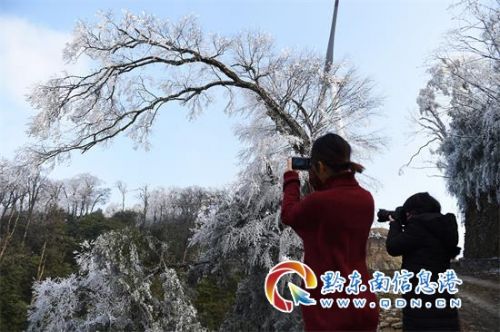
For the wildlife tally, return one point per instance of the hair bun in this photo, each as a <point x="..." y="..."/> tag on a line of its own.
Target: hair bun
<point x="355" y="167"/>
<point x="334" y="151"/>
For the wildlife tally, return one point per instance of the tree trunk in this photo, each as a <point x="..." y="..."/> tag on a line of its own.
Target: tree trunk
<point x="28" y="222"/>
<point x="482" y="227"/>
<point x="41" y="264"/>
<point x="41" y="267"/>
<point x="10" y="233"/>
<point x="95" y="203"/>
<point x="33" y="197"/>
<point x="186" y="248"/>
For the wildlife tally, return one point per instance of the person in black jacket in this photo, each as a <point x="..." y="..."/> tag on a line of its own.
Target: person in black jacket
<point x="427" y="240"/>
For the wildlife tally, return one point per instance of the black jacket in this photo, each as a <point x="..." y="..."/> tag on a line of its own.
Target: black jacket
<point x="428" y="241"/>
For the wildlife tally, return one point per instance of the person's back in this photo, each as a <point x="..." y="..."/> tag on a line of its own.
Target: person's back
<point x="428" y="241"/>
<point x="334" y="222"/>
<point x="345" y="225"/>
<point x="343" y="228"/>
<point x="438" y="238"/>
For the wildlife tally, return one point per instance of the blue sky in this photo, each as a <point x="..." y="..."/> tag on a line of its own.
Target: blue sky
<point x="389" y="41"/>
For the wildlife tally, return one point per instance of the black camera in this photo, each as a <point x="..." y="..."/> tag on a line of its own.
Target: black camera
<point x="300" y="163"/>
<point x="398" y="215"/>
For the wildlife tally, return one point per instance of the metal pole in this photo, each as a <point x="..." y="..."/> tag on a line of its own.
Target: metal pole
<point x="329" y="55"/>
<point x="331" y="41"/>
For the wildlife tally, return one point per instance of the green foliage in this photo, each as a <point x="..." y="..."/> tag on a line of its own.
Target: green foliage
<point x="157" y="288"/>
<point x="90" y="226"/>
<point x="126" y="217"/>
<point x="213" y="300"/>
<point x="176" y="234"/>
<point x="60" y="235"/>
<point x="16" y="275"/>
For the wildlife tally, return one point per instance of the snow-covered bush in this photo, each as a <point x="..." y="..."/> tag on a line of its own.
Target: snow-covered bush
<point x="122" y="284"/>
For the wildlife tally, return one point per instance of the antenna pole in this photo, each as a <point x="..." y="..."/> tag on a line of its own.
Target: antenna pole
<point x="331" y="41"/>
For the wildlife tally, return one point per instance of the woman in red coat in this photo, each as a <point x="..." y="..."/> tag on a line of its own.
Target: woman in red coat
<point x="334" y="222"/>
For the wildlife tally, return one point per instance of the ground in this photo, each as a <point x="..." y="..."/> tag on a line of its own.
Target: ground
<point x="480" y="294"/>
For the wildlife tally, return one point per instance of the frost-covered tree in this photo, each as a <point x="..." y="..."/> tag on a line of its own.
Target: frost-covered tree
<point x="122" y="284"/>
<point x="159" y="204"/>
<point x="142" y="64"/>
<point x="239" y="232"/>
<point x="21" y="185"/>
<point x="283" y="91"/>
<point x="242" y="230"/>
<point x="460" y="112"/>
<point x="171" y="216"/>
<point x="12" y="201"/>
<point x="122" y="188"/>
<point x="144" y="194"/>
<point x="83" y="193"/>
<point x="51" y="197"/>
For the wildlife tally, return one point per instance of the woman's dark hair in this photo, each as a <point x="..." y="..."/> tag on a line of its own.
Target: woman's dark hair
<point x="421" y="203"/>
<point x="335" y="152"/>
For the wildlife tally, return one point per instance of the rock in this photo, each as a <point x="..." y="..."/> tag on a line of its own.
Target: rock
<point x="377" y="257"/>
<point x="383" y="324"/>
<point x="398" y="325"/>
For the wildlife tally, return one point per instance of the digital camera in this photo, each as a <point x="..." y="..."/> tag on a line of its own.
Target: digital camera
<point x="300" y="163"/>
<point x="398" y="215"/>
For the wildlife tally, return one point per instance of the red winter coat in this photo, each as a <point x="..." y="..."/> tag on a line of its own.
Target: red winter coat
<point x="334" y="222"/>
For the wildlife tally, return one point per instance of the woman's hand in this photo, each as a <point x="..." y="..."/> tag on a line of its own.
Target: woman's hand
<point x="289" y="165"/>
